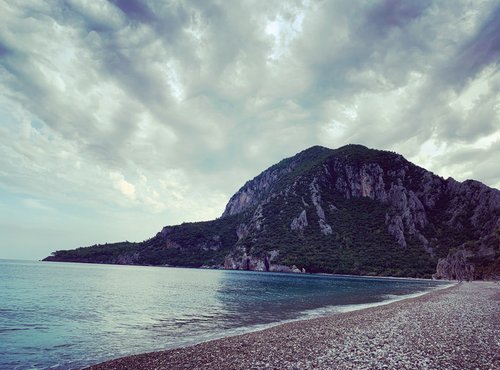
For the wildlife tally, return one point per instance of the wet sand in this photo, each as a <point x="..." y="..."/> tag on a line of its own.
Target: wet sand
<point x="452" y="328"/>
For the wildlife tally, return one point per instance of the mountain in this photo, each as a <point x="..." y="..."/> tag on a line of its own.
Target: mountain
<point x="350" y="210"/>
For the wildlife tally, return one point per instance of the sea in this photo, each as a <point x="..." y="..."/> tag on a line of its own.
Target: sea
<point x="71" y="315"/>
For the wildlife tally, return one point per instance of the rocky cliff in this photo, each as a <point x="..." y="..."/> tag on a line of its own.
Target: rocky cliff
<point x="349" y="210"/>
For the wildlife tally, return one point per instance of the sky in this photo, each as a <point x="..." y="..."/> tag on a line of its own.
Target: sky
<point x="120" y="117"/>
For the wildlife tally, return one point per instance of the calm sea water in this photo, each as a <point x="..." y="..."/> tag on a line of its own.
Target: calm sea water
<point x="65" y="315"/>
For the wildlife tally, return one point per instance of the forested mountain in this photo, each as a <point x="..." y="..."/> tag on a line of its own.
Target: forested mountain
<point x="350" y="210"/>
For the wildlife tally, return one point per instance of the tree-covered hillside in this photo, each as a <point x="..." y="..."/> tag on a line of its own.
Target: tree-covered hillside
<point x="351" y="210"/>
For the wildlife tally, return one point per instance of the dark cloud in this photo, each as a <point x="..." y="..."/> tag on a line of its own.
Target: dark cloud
<point x="482" y="50"/>
<point x="136" y="10"/>
<point x="357" y="38"/>
<point x="385" y="15"/>
<point x="4" y="51"/>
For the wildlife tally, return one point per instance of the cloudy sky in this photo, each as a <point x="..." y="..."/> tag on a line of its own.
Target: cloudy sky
<point x="119" y="117"/>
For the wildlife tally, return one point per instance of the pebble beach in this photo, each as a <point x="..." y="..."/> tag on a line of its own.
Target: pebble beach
<point x="452" y="328"/>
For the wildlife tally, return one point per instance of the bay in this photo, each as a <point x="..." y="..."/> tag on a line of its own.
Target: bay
<point x="69" y="315"/>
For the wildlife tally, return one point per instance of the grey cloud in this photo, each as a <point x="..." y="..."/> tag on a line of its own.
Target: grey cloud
<point x="121" y="56"/>
<point x="473" y="56"/>
<point x="482" y="120"/>
<point x="394" y="48"/>
<point x="357" y="38"/>
<point x="69" y="117"/>
<point x="393" y="13"/>
<point x="136" y="10"/>
<point x="95" y="17"/>
<point x="3" y="50"/>
<point x="128" y="65"/>
<point x="476" y="155"/>
<point x="477" y="163"/>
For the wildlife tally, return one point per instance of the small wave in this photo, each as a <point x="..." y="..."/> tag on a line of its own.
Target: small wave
<point x="387" y="299"/>
<point x="6" y="330"/>
<point x="64" y="345"/>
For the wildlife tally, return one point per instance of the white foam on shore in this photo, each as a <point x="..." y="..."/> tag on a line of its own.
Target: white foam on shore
<point x="388" y="299"/>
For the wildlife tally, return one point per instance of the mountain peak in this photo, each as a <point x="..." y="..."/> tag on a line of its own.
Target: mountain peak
<point x="304" y="163"/>
<point x="346" y="149"/>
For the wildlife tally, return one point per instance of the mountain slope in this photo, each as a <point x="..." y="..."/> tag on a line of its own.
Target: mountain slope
<point x="350" y="210"/>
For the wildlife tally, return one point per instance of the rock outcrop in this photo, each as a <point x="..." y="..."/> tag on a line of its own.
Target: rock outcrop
<point x="299" y="222"/>
<point x="454" y="267"/>
<point x="264" y="263"/>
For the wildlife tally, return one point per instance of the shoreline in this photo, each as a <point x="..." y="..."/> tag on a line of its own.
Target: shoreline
<point x="437" y="329"/>
<point x="252" y="271"/>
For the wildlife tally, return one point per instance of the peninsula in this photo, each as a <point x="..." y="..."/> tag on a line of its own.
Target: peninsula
<point x="351" y="210"/>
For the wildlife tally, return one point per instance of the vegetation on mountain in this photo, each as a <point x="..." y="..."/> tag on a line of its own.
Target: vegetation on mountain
<point x="351" y="210"/>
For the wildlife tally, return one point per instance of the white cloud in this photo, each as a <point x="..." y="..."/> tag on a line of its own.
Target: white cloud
<point x="125" y="187"/>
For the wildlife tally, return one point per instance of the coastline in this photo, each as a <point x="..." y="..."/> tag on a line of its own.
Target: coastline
<point x="251" y="271"/>
<point x="455" y="327"/>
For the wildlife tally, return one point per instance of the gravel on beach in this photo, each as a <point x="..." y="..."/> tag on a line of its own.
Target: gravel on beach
<point x="452" y="328"/>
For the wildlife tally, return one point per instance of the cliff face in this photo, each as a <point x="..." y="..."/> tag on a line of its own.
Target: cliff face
<point x="349" y="210"/>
